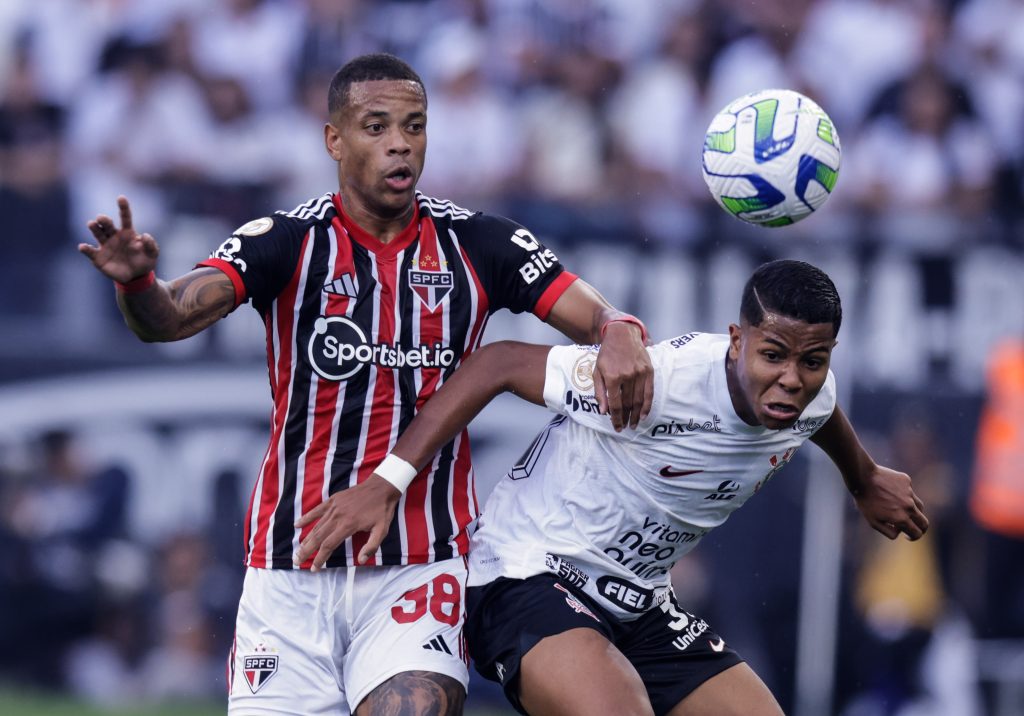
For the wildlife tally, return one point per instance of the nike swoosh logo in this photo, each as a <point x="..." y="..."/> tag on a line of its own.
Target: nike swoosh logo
<point x="719" y="646"/>
<point x="667" y="471"/>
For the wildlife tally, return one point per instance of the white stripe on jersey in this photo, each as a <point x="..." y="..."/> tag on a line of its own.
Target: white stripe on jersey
<point x="325" y="491"/>
<point x="314" y="389"/>
<point x="442" y="207"/>
<point x="371" y="389"/>
<point x="317" y="207"/>
<point x="300" y="290"/>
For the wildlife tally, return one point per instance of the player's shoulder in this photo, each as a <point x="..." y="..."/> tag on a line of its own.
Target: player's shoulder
<point x="690" y="349"/>
<point x="472" y="224"/>
<point x="294" y="222"/>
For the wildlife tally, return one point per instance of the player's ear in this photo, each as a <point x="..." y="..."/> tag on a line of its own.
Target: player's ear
<point x="735" y="334"/>
<point x="332" y="140"/>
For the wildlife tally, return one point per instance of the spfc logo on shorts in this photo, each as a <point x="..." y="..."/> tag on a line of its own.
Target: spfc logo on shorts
<point x="258" y="669"/>
<point x="431" y="286"/>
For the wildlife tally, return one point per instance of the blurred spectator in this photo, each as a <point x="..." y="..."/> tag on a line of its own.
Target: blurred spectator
<point x="923" y="160"/>
<point x="844" y="71"/>
<point x="134" y="127"/>
<point x="333" y="32"/>
<point x="253" y="41"/>
<point x="33" y="190"/>
<point x="899" y="590"/>
<point x="763" y="55"/>
<point x="475" y="144"/>
<point x="657" y="117"/>
<point x="67" y="514"/>
<point x="997" y="494"/>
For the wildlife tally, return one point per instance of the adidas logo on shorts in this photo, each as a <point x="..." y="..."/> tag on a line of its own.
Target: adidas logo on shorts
<point x="437" y="644"/>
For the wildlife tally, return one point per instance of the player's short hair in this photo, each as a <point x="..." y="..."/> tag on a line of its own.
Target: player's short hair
<point x="794" y="289"/>
<point x="368" y="68"/>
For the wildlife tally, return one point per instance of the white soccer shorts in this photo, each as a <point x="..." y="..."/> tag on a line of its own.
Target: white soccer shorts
<point x="319" y="643"/>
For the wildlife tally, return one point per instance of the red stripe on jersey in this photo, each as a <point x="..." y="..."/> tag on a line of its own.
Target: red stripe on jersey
<point x="480" y="320"/>
<point x="552" y="293"/>
<point x="326" y="403"/>
<point x="431" y="322"/>
<point x="285" y="313"/>
<point x="431" y="331"/>
<point x="232" y="273"/>
<point x="380" y="422"/>
<point x="461" y="490"/>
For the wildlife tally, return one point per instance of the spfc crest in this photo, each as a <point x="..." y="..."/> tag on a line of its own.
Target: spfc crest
<point x="431" y="286"/>
<point x="258" y="669"/>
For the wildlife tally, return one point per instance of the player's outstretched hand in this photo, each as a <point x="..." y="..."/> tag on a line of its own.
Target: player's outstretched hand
<point x="624" y="376"/>
<point x="122" y="254"/>
<point x="889" y="504"/>
<point x="367" y="507"/>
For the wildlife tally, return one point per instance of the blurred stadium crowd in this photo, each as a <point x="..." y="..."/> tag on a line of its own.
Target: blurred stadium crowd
<point x="583" y="120"/>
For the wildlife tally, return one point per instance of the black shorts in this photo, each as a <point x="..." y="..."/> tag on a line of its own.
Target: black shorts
<point x="673" y="651"/>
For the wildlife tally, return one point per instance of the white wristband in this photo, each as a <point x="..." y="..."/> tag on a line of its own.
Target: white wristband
<point x="396" y="471"/>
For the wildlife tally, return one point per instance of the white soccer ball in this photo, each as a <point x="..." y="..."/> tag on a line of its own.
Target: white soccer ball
<point x="771" y="157"/>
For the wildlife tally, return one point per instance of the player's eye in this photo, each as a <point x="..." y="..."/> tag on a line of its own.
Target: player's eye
<point x="771" y="355"/>
<point x="814" y="363"/>
<point x="416" y="127"/>
<point x="375" y="128"/>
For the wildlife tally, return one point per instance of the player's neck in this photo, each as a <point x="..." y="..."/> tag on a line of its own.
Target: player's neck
<point x="383" y="227"/>
<point x="736" y="396"/>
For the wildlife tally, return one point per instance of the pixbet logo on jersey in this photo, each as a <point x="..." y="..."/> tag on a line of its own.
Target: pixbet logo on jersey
<point x="338" y="349"/>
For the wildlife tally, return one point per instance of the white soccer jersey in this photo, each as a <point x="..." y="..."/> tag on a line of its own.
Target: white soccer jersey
<point x="612" y="512"/>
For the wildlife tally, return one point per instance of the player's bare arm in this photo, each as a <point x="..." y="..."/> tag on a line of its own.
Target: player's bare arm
<point x="163" y="310"/>
<point x="623" y="376"/>
<point x="506" y="366"/>
<point x="884" y="496"/>
<point x="415" y="693"/>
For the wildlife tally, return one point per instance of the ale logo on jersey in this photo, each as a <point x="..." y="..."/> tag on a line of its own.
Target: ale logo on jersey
<point x="258" y="668"/>
<point x="338" y="349"/>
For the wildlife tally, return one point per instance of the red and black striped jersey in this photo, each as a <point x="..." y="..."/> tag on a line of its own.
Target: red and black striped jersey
<point x="360" y="334"/>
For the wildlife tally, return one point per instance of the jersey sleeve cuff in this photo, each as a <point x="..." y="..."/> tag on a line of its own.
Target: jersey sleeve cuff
<point x="552" y="293"/>
<point x="232" y="273"/>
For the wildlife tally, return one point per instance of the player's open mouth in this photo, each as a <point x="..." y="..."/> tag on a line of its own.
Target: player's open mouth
<point x="399" y="179"/>
<point x="781" y="411"/>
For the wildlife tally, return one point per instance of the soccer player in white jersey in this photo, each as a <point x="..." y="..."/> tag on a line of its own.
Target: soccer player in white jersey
<point x="372" y="295"/>
<point x="570" y="602"/>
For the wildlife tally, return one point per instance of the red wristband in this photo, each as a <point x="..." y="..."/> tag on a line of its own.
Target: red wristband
<point x="137" y="285"/>
<point x="626" y="318"/>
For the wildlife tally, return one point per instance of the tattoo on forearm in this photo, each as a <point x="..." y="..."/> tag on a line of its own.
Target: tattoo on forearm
<point x="179" y="309"/>
<point x="415" y="693"/>
<point x="202" y="300"/>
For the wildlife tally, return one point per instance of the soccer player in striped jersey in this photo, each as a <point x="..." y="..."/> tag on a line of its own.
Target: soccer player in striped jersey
<point x="372" y="296"/>
<point x="570" y="603"/>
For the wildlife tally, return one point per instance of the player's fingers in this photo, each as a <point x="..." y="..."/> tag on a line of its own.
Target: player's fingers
<point x="636" y="409"/>
<point x="615" y="404"/>
<point x="887" y="528"/>
<point x="149" y="246"/>
<point x="920" y="520"/>
<point x="919" y="504"/>
<point x="911" y="530"/>
<point x="104" y="228"/>
<point x="125" y="211"/>
<point x="324" y="553"/>
<point x="599" y="392"/>
<point x="648" y="395"/>
<point x="306" y="548"/>
<point x="377" y="535"/>
<point x="89" y="250"/>
<point x="312" y="516"/>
